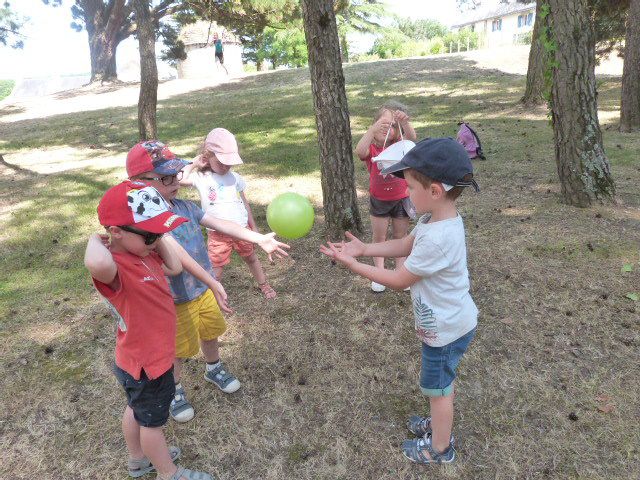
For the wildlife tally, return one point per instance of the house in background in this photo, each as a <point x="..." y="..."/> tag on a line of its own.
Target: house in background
<point x="201" y="58"/>
<point x="506" y="24"/>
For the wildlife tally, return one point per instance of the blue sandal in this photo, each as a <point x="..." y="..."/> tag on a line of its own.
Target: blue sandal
<point x="419" y="426"/>
<point x="142" y="466"/>
<point x="413" y="450"/>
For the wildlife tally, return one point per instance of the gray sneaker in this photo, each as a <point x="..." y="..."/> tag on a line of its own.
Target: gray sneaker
<point x="180" y="409"/>
<point x="221" y="377"/>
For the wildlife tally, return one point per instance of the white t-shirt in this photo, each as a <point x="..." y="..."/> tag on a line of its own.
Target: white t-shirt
<point x="220" y="195"/>
<point x="442" y="305"/>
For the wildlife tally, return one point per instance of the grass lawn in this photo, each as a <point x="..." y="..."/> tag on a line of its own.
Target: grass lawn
<point x="5" y="88"/>
<point x="548" y="389"/>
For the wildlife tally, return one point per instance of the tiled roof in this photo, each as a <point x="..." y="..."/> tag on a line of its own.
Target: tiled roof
<point x="196" y="33"/>
<point x="495" y="12"/>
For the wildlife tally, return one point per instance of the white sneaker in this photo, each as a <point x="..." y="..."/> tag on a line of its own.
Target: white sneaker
<point x="376" y="287"/>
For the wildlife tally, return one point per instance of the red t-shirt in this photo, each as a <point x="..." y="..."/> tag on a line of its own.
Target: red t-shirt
<point x="383" y="187"/>
<point x="146" y="314"/>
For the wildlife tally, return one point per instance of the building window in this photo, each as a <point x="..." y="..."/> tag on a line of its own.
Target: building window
<point x="496" y="25"/>
<point x="525" y="20"/>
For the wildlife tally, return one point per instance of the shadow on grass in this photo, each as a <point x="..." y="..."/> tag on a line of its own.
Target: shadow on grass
<point x="42" y="255"/>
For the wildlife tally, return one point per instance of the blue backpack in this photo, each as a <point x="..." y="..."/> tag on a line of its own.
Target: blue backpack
<point x="469" y="139"/>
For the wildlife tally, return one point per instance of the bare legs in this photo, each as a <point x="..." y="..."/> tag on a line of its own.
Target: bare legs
<point x="149" y="442"/>
<point x="255" y="267"/>
<point x="379" y="227"/>
<point x="210" y="350"/>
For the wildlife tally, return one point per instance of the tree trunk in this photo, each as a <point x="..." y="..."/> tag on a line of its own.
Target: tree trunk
<point x="332" y="118"/>
<point x="148" y="71"/>
<point x="583" y="167"/>
<point x="533" y="94"/>
<point x="630" y="103"/>
<point x="103" y="23"/>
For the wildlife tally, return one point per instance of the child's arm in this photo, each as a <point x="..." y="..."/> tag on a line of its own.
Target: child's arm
<point x="407" y="129"/>
<point x="170" y="262"/>
<point x="195" y="269"/>
<point x="362" y="148"/>
<point x="99" y="261"/>
<point x="251" y="222"/>
<point x="399" y="247"/>
<point x="187" y="179"/>
<point x="398" y="279"/>
<point x="267" y="242"/>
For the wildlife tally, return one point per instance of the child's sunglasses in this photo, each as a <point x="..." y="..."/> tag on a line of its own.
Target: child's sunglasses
<point x="149" y="237"/>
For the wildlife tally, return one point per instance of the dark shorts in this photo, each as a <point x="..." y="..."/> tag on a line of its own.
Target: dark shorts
<point x="149" y="399"/>
<point x="439" y="366"/>
<point x="220" y="56"/>
<point x="384" y="208"/>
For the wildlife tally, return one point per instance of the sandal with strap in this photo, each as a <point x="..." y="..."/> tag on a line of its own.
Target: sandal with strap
<point x="414" y="451"/>
<point x="267" y="291"/>
<point x="189" y="475"/>
<point x="421" y="426"/>
<point x="142" y="466"/>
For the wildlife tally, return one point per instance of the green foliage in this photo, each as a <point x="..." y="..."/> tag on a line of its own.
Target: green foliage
<point x="357" y="16"/>
<point x="437" y="46"/>
<point x="5" y="88"/>
<point x="10" y="25"/>
<point x="392" y="44"/>
<point x="422" y="29"/>
<point x="283" y="47"/>
<point x="549" y="47"/>
<point x="458" y="41"/>
<point x="174" y="48"/>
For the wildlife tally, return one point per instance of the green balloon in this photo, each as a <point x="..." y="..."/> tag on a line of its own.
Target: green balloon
<point x="290" y="215"/>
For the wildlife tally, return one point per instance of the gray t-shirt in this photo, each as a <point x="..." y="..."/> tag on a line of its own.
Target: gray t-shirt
<point x="442" y="305"/>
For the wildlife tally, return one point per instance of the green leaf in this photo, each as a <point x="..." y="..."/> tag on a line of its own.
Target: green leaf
<point x="627" y="267"/>
<point x="632" y="296"/>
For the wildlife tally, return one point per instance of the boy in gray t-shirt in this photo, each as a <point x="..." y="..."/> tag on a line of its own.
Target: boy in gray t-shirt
<point x="436" y="170"/>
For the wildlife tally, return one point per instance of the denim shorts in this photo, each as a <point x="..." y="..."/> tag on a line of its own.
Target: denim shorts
<point x="439" y="366"/>
<point x="149" y="399"/>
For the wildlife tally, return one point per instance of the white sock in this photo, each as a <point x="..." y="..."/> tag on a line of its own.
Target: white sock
<point x="211" y="366"/>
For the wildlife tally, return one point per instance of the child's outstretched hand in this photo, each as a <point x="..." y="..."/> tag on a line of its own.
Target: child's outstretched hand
<point x="221" y="296"/>
<point x="273" y="247"/>
<point x="344" y="252"/>
<point x="337" y="252"/>
<point x="401" y="117"/>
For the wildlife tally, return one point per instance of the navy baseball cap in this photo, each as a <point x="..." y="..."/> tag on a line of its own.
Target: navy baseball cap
<point x="441" y="159"/>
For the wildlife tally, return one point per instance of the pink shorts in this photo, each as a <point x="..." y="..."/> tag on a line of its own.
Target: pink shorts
<point x="221" y="246"/>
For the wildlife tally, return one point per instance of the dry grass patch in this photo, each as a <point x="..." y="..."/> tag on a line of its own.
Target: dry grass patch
<point x="548" y="389"/>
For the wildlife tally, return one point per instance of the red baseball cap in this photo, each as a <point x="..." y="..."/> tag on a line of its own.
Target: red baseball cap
<point x="153" y="156"/>
<point x="133" y="203"/>
<point x="222" y="142"/>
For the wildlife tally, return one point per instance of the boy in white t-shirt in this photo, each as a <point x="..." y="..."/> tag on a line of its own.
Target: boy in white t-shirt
<point x="222" y="196"/>
<point x="436" y="170"/>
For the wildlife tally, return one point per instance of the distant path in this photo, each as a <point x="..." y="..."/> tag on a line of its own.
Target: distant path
<point x="512" y="60"/>
<point x="90" y="97"/>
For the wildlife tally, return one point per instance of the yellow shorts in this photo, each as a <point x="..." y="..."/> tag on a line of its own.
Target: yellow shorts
<point x="198" y="319"/>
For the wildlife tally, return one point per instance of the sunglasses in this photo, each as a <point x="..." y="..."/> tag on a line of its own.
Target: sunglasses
<point x="149" y="237"/>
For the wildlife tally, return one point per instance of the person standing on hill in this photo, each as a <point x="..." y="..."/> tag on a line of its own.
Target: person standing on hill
<point x="217" y="42"/>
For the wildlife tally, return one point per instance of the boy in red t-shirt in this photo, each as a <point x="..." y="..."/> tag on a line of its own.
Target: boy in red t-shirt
<point x="128" y="269"/>
<point x="388" y="197"/>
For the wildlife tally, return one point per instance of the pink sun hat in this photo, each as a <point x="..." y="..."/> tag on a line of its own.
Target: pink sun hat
<point x="222" y="142"/>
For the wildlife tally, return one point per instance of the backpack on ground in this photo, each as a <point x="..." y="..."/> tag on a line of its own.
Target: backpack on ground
<point x="470" y="141"/>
